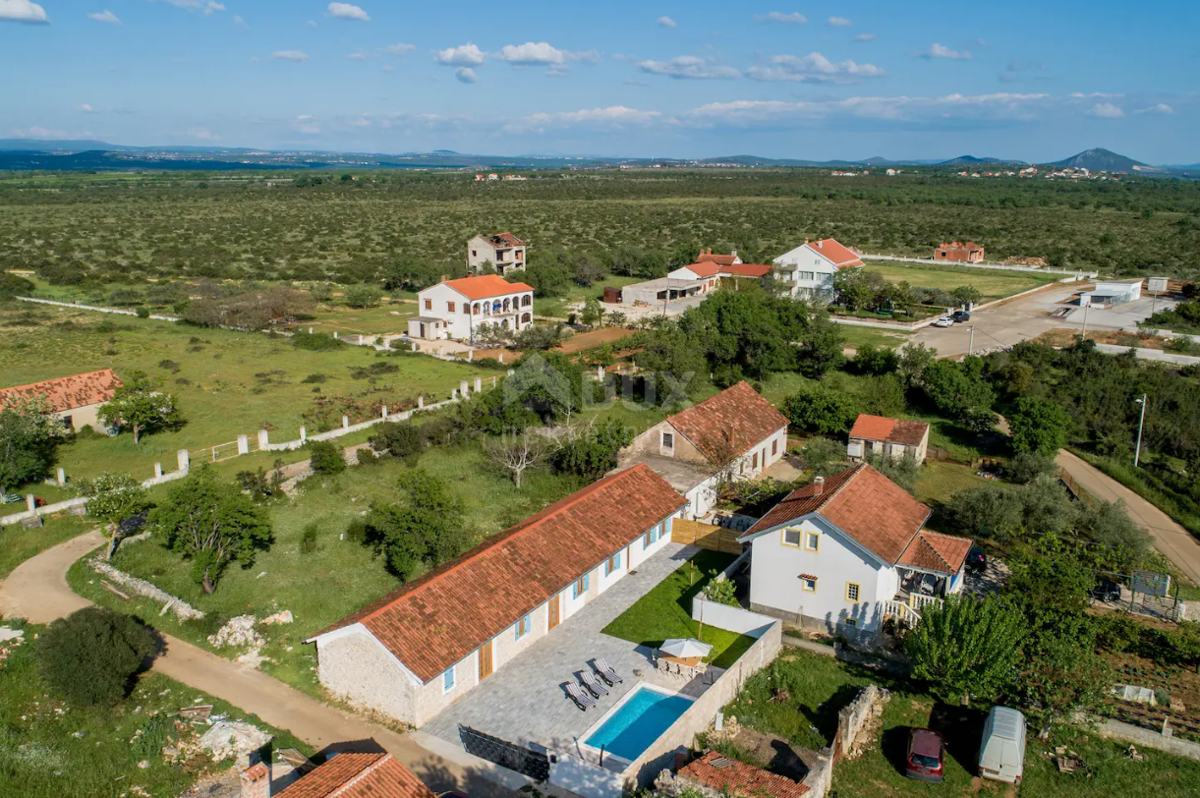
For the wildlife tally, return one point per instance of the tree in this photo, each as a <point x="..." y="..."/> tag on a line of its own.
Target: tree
<point x="112" y="498"/>
<point x="593" y="313"/>
<point x="29" y="436"/>
<point x="1126" y="544"/>
<point x="1039" y="426"/>
<point x="587" y="270"/>
<point x="722" y="591"/>
<point x="854" y="288"/>
<point x="1184" y="640"/>
<point x="211" y="524"/>
<point x="325" y="457"/>
<point x="824" y="456"/>
<point x="141" y="406"/>
<point x="822" y="409"/>
<point x="423" y="529"/>
<point x="967" y="294"/>
<point x="913" y="361"/>
<point x="1060" y="673"/>
<point x="592" y="451"/>
<point x="362" y="296"/>
<point x="548" y="383"/>
<point x="872" y="360"/>
<point x="516" y="452"/>
<point x="1027" y="466"/>
<point x="904" y="471"/>
<point x="398" y="440"/>
<point x="819" y="347"/>
<point x="958" y="390"/>
<point x="967" y="648"/>
<point x="993" y="511"/>
<point x="90" y="657"/>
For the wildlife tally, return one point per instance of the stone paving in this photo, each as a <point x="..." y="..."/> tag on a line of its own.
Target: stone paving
<point x="525" y="701"/>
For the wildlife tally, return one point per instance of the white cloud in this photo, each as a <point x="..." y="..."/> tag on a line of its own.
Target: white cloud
<point x="1079" y="95"/>
<point x="239" y="22"/>
<point x="466" y="55"/>
<point x="297" y="56"/>
<point x="36" y="132"/>
<point x="793" y="18"/>
<point x="813" y="68"/>
<point x="666" y="22"/>
<point x="1005" y="106"/>
<point x="839" y="22"/>
<point x="206" y="6"/>
<point x="399" y="49"/>
<point x="85" y="108"/>
<point x="347" y="11"/>
<point x="23" y="11"/>
<point x="688" y="67"/>
<point x="542" y="53"/>
<point x="1160" y="108"/>
<point x="613" y="116"/>
<point x="211" y="6"/>
<point x="312" y="23"/>
<point x="942" y="51"/>
<point x="306" y="124"/>
<point x="1105" y="111"/>
<point x="201" y="134"/>
<point x="466" y="75"/>
<point x="105" y="16"/>
<point x="865" y="37"/>
<point x="360" y="55"/>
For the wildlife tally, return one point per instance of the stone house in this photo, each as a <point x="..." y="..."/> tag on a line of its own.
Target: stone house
<point x="457" y="308"/>
<point x="959" y="252"/>
<point x="895" y="438"/>
<point x="412" y="653"/>
<point x="74" y="400"/>
<point x="736" y="434"/>
<point x="844" y="553"/>
<point x="807" y="271"/>
<point x="504" y="251"/>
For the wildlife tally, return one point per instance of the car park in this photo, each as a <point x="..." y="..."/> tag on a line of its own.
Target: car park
<point x="924" y="759"/>
<point x="944" y="321"/>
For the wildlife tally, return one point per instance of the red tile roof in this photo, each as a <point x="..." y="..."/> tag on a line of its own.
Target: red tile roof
<point x="892" y="430"/>
<point x="934" y="551"/>
<point x="67" y="393"/>
<point x="723" y="260"/>
<point x="730" y="423"/>
<point x="746" y="269"/>
<point x="506" y="239"/>
<point x="358" y="776"/>
<point x="437" y="620"/>
<point x="876" y="512"/>
<point x="739" y="779"/>
<point x="703" y="269"/>
<point x="969" y="245"/>
<point x="486" y="286"/>
<point x="840" y="256"/>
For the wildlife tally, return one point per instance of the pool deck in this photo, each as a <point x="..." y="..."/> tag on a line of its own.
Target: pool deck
<point x="525" y="702"/>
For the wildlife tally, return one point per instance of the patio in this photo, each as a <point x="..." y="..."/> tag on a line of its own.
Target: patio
<point x="525" y="701"/>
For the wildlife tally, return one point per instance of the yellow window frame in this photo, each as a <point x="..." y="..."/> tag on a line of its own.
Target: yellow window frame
<point x="783" y="538"/>
<point x="804" y="585"/>
<point x="857" y="591"/>
<point x="810" y="535"/>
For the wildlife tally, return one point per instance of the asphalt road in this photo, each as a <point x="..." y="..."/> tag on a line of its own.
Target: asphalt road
<point x="1002" y="325"/>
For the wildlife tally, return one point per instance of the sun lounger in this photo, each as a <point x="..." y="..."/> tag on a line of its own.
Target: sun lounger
<point x="589" y="681"/>
<point x="605" y="671"/>
<point x="581" y="698"/>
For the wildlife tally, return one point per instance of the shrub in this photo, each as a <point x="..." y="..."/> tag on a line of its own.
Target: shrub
<point x="397" y="439"/>
<point x="326" y="457"/>
<point x="366" y="457"/>
<point x="91" y="656"/>
<point x="314" y="378"/>
<point x="362" y="296"/>
<point x="356" y="530"/>
<point x="143" y="312"/>
<point x="316" y="342"/>
<point x="308" y="541"/>
<point x="1027" y="466"/>
<point x="821" y="409"/>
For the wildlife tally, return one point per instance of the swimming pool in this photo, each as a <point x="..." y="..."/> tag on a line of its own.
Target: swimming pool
<point x="637" y="722"/>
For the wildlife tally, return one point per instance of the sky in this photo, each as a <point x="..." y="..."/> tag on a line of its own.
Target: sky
<point x="1030" y="80"/>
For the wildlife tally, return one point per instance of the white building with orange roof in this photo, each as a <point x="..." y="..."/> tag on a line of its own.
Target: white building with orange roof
<point x="807" y="271"/>
<point x="457" y="309"/>
<point x="74" y="400"/>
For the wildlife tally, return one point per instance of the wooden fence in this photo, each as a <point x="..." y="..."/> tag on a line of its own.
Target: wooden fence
<point x="705" y="536"/>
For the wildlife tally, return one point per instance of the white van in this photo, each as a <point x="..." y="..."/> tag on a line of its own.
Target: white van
<point x="1002" y="751"/>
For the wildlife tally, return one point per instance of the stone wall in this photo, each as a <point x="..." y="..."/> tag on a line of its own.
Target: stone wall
<point x="357" y="668"/>
<point x="855" y="716"/>
<point x="182" y="610"/>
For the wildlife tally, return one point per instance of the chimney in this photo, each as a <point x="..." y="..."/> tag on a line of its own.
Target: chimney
<point x="733" y="253"/>
<point x="818" y="485"/>
<point x="443" y="278"/>
<point x="821" y="244"/>
<point x="256" y="781"/>
<point x="806" y="240"/>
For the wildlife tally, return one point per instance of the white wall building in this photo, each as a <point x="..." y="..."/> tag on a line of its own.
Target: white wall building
<point x="503" y="250"/>
<point x="458" y="308"/>
<point x="807" y="271"/>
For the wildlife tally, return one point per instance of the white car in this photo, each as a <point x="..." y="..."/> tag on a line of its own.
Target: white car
<point x="944" y="321"/>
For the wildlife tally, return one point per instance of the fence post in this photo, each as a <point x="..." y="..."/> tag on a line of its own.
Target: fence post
<point x="463" y="388"/>
<point x="61" y="476"/>
<point x="31" y="503"/>
<point x="335" y="333"/>
<point x="158" y="470"/>
<point x="345" y="422"/>
<point x="183" y="461"/>
<point x="263" y="438"/>
<point x="385" y="412"/>
<point x="470" y="354"/>
<point x="420" y="401"/>
<point x="478" y="384"/>
<point x="453" y="394"/>
<point x="303" y="435"/>
<point x="501" y="356"/>
<point x="243" y="444"/>
<point x="494" y="381"/>
<point x="600" y="373"/>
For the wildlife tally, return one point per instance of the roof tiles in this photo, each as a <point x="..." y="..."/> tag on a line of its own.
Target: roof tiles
<point x="838" y="255"/>
<point x="486" y="286"/>
<point x="729" y="424"/>
<point x="350" y="775"/>
<point x="892" y="430"/>
<point x="739" y="779"/>
<point x="67" y="393"/>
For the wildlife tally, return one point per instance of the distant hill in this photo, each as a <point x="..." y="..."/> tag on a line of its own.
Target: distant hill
<point x="1102" y="160"/>
<point x="967" y="160"/>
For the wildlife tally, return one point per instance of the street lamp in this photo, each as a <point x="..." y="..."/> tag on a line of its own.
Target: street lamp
<point x="1137" y="453"/>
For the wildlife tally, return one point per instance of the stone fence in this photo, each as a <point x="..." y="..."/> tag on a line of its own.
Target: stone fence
<point x="1002" y="267"/>
<point x="77" y="306"/>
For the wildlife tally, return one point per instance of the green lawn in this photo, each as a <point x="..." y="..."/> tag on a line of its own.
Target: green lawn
<point x="666" y="612"/>
<point x="50" y="749"/>
<point x="993" y="284"/>
<point x="18" y="544"/>
<point x="938" y="482"/>
<point x="557" y="307"/>
<point x="855" y="337"/>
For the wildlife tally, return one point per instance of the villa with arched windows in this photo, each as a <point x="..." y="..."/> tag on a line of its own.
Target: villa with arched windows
<point x="457" y="309"/>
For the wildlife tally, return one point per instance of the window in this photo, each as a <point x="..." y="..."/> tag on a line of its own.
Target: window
<point x="581" y="586"/>
<point x="613" y="564"/>
<point x="808" y="583"/>
<point x="448" y="679"/>
<point x="807" y="276"/>
<point x="474" y="253"/>
<point x="851" y="622"/>
<point x="852" y="590"/>
<point x="774" y="448"/>
<point x="652" y="537"/>
<point x="429" y="304"/>
<point x="754" y="462"/>
<point x="812" y="541"/>
<point x="791" y="537"/>
<point x="522" y="627"/>
<point x="450" y="307"/>
<point x="466" y="309"/>
<point x="668" y="440"/>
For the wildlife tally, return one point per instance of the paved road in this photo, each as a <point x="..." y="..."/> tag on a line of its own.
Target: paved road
<point x="37" y="590"/>
<point x="1179" y="545"/>
<point x="1002" y="325"/>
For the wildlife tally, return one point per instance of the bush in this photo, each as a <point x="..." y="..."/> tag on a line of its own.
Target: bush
<point x="397" y="439"/>
<point x="821" y="409"/>
<point x="1027" y="466"/>
<point x="308" y="541"/>
<point x="91" y="656"/>
<point x="366" y="457"/>
<point x="356" y="530"/>
<point x="362" y="296"/>
<point x="326" y="457"/>
<point x="143" y="312"/>
<point x="316" y="342"/>
<point x="870" y="360"/>
<point x="314" y="378"/>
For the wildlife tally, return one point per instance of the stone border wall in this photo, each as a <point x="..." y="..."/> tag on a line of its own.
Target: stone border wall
<point x="182" y="610"/>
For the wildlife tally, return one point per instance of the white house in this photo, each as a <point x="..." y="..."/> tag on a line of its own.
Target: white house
<point x="410" y="654"/>
<point x="807" y="271"/>
<point x="503" y="250"/>
<point x="457" y="308"/>
<point x="844" y="553"/>
<point x="1110" y="293"/>
<point x="734" y="435"/>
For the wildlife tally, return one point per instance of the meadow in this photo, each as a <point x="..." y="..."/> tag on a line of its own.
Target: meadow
<point x="992" y="284"/>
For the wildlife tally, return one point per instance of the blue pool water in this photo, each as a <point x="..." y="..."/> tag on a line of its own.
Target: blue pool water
<point x="638" y="722"/>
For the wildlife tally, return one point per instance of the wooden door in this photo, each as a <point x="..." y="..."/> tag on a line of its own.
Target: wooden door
<point x="554" y="605"/>
<point x="485" y="660"/>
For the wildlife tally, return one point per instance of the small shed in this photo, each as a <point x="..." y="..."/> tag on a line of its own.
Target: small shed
<point x="1111" y="293"/>
<point x="612" y="295"/>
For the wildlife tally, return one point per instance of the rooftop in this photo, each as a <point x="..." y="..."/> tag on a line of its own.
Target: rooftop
<point x="837" y="254"/>
<point x="707" y="256"/>
<point x="738" y="779"/>
<point x="504" y="240"/>
<point x="746" y="269"/>
<point x="66" y="393"/>
<point x="358" y="776"/>
<point x="729" y="424"/>
<point x="486" y="286"/>
<point x="892" y="430"/>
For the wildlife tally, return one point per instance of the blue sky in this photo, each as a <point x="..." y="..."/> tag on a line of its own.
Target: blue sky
<point x="1031" y="80"/>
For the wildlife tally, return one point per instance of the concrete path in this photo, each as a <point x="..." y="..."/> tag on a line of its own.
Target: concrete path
<point x="1179" y="545"/>
<point x="37" y="590"/>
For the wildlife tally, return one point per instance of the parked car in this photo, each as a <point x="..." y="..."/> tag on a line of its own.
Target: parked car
<point x="924" y="760"/>
<point x="1002" y="750"/>
<point x="976" y="560"/>
<point x="944" y="321"/>
<point x="961" y="315"/>
<point x="1106" y="590"/>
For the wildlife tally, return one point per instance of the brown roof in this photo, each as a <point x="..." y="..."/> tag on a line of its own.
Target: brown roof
<point x="486" y="286"/>
<point x="506" y="239"/>
<point x="67" y="393"/>
<point x="739" y="779"/>
<point x="934" y="551"/>
<point x="709" y="257"/>
<point x="970" y="245"/>
<point x="876" y="512"/>
<point x="702" y="269"/>
<point x="358" y="776"/>
<point x="840" y="256"/>
<point x="746" y="269"/>
<point x="892" y="430"/>
<point x="437" y="620"/>
<point x="730" y="423"/>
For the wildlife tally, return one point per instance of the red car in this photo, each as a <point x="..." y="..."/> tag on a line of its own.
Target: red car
<point x="924" y="760"/>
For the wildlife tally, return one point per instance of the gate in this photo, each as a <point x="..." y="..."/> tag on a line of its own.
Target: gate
<point x="534" y="764"/>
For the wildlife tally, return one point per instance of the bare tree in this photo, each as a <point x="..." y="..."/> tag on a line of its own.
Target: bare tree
<point x="517" y="452"/>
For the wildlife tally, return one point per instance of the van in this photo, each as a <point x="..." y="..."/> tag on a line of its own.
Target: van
<point x="1002" y="751"/>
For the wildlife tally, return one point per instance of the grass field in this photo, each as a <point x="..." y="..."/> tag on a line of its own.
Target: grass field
<point x="991" y="283"/>
<point x="50" y="749"/>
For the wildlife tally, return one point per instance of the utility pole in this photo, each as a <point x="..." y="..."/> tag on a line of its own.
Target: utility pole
<point x="971" y="344"/>
<point x="1085" y="312"/>
<point x="1137" y="453"/>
